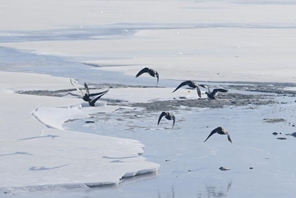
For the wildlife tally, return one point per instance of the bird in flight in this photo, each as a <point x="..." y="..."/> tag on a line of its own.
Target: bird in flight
<point x="93" y="101"/>
<point x="191" y="84"/>
<point x="150" y="71"/>
<point x="220" y="131"/>
<point x="212" y="94"/>
<point x="87" y="96"/>
<point x="168" y="116"/>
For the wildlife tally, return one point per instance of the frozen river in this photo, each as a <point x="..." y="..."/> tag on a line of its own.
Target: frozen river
<point x="245" y="47"/>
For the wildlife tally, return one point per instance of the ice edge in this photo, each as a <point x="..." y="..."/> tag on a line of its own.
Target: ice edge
<point x="73" y="186"/>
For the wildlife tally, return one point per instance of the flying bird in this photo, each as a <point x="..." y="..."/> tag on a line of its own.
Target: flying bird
<point x="191" y="84"/>
<point x="93" y="101"/>
<point x="150" y="71"/>
<point x="220" y="131"/>
<point x="212" y="94"/>
<point x="87" y="96"/>
<point x="168" y="116"/>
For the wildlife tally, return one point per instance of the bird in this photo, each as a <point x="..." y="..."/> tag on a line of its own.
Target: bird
<point x="191" y="84"/>
<point x="168" y="116"/>
<point x="211" y="94"/>
<point x="150" y="71"/>
<point x="87" y="96"/>
<point x="93" y="101"/>
<point x="220" y="131"/>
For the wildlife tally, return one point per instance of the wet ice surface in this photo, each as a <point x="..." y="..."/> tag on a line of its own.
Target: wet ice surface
<point x="261" y="158"/>
<point x="261" y="164"/>
<point x="60" y="66"/>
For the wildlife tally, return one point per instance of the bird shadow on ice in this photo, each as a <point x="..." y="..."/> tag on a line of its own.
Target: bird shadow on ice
<point x="188" y="171"/>
<point x="117" y="158"/>
<point x="42" y="168"/>
<point x="116" y="161"/>
<point x="86" y="105"/>
<point x="38" y="137"/>
<point x="16" y="153"/>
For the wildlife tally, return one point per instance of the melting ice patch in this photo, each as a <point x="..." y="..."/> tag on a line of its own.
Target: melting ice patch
<point x="96" y="157"/>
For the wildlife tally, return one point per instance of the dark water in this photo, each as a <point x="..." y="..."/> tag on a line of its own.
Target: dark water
<point x="24" y="61"/>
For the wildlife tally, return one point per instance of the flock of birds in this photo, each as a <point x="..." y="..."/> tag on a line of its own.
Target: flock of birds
<point x="92" y="98"/>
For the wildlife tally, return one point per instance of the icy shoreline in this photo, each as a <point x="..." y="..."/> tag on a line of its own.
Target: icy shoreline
<point x="53" y="158"/>
<point x="108" y="42"/>
<point x="189" y="160"/>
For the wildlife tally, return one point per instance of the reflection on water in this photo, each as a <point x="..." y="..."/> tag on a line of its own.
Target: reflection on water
<point x="172" y="195"/>
<point x="210" y="191"/>
<point x="213" y="192"/>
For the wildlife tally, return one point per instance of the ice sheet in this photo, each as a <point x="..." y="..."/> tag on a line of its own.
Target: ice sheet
<point x="98" y="41"/>
<point x="43" y="154"/>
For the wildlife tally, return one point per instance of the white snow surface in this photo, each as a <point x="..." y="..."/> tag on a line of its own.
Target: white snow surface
<point x="33" y="155"/>
<point x="227" y="40"/>
<point x="201" y="40"/>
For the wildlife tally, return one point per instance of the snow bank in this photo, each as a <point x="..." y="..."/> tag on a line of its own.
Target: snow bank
<point x="36" y="157"/>
<point x="55" y="116"/>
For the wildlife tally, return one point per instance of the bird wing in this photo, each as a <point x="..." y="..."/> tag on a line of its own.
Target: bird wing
<point x="198" y="91"/>
<point x="99" y="93"/>
<point x="86" y="88"/>
<point x="182" y="84"/>
<point x="161" y="115"/>
<point x="173" y="117"/>
<point x="157" y="76"/>
<point x="219" y="90"/>
<point x="76" y="87"/>
<point x="146" y="69"/>
<point x="212" y="133"/>
<point x="204" y="86"/>
<point x="92" y="102"/>
<point x="228" y="137"/>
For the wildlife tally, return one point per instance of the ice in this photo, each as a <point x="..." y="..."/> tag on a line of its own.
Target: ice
<point x="47" y="159"/>
<point x="55" y="117"/>
<point x="53" y="144"/>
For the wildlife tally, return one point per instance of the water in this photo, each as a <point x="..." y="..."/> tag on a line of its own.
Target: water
<point x="189" y="167"/>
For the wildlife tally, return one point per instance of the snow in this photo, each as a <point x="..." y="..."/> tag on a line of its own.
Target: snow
<point x="46" y="156"/>
<point x="55" y="117"/>
<point x="46" y="145"/>
<point x="219" y="41"/>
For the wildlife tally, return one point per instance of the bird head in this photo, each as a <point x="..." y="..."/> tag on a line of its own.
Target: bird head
<point x="224" y="130"/>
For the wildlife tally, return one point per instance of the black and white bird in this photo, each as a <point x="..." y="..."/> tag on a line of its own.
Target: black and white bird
<point x="87" y="96"/>
<point x="191" y="84"/>
<point x="220" y="131"/>
<point x="168" y="116"/>
<point x="150" y="71"/>
<point x="93" y="101"/>
<point x="212" y="94"/>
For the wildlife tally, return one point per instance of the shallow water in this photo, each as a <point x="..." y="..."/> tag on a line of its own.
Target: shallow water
<point x="260" y="164"/>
